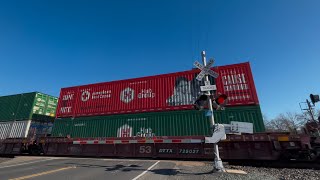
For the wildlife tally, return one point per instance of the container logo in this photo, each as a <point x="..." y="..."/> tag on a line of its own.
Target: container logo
<point x="185" y="92"/>
<point x="85" y="96"/>
<point x="65" y="109"/>
<point x="166" y="151"/>
<point x="67" y="97"/>
<point x="235" y="82"/>
<point x="146" y="93"/>
<point x="125" y="131"/>
<point x="145" y="132"/>
<point x="127" y="95"/>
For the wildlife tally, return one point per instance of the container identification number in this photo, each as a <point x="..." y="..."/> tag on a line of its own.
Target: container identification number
<point x="145" y="150"/>
<point x="189" y="151"/>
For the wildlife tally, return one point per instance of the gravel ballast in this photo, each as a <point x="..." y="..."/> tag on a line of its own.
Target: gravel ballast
<point x="281" y="173"/>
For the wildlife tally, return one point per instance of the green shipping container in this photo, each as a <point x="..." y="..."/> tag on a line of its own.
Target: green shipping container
<point x="170" y="123"/>
<point x="45" y="105"/>
<point x="27" y="106"/>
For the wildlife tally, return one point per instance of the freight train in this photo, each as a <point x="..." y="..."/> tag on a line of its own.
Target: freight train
<point x="151" y="117"/>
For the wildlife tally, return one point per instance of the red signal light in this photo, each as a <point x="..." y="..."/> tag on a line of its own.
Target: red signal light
<point x="221" y="99"/>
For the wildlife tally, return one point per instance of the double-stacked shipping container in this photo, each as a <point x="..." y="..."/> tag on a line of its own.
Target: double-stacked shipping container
<point x="26" y="115"/>
<point x="159" y="105"/>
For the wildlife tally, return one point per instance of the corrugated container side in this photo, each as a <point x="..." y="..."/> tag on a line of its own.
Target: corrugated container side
<point x="8" y="107"/>
<point x="40" y="103"/>
<point x="237" y="83"/>
<point x="146" y="124"/>
<point x="176" y="91"/>
<point x="250" y="114"/>
<point x="51" y="106"/>
<point x="171" y="123"/>
<point x="25" y="106"/>
<point x="62" y="127"/>
<point x="16" y="107"/>
<point x="67" y="102"/>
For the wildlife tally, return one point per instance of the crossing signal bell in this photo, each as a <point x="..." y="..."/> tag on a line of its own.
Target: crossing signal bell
<point x="314" y="98"/>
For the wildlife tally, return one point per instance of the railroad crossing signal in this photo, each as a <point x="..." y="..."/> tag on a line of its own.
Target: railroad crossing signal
<point x="218" y="102"/>
<point x="206" y="99"/>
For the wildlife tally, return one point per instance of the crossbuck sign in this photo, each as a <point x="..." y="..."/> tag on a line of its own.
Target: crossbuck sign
<point x="205" y="70"/>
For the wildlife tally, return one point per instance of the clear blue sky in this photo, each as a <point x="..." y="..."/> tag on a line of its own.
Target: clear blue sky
<point x="46" y="45"/>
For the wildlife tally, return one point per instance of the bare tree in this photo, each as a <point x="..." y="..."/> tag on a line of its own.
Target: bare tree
<point x="288" y="122"/>
<point x="266" y="122"/>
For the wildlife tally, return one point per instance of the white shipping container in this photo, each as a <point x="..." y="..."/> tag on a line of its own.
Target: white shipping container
<point x="24" y="129"/>
<point x="5" y="128"/>
<point x="20" y="129"/>
<point x="17" y="129"/>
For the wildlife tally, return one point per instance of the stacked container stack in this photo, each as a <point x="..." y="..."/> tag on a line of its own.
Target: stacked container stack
<point x="156" y="105"/>
<point x="26" y="115"/>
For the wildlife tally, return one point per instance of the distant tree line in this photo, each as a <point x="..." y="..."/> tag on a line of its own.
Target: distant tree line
<point x="291" y="122"/>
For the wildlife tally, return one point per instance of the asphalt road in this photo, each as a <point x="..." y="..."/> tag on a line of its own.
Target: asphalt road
<point x="65" y="168"/>
<point x="49" y="168"/>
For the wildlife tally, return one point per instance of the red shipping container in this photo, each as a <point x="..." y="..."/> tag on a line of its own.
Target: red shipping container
<point x="237" y="83"/>
<point x="175" y="91"/>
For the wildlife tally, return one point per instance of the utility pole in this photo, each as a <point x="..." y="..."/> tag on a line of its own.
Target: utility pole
<point x="217" y="161"/>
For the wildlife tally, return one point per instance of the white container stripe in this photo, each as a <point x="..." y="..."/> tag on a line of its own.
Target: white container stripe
<point x="90" y="142"/>
<point x="117" y="142"/>
<point x="185" y="141"/>
<point x="167" y="141"/>
<point x="196" y="141"/>
<point x="133" y="141"/>
<point x="150" y="141"/>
